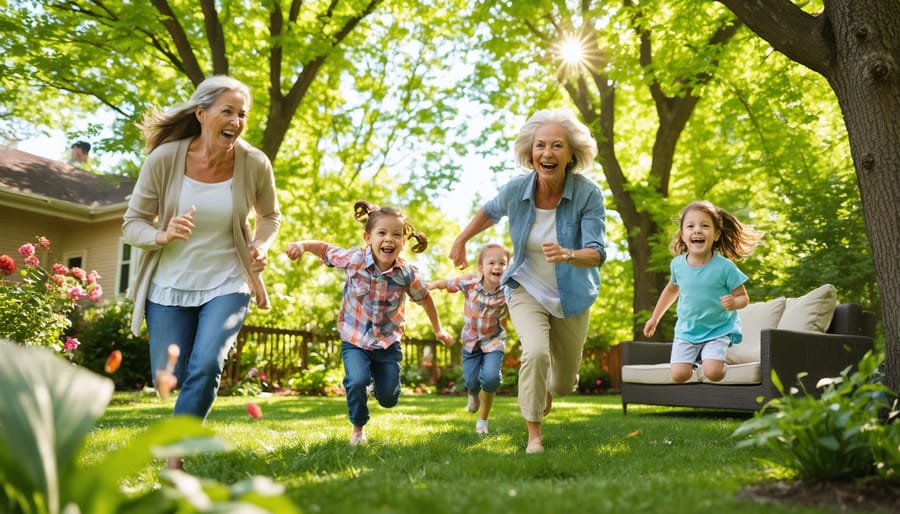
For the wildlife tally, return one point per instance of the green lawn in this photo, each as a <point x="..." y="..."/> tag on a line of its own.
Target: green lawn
<point x="423" y="456"/>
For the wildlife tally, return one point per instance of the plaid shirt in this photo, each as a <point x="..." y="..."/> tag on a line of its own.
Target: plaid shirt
<point x="372" y="310"/>
<point x="485" y="314"/>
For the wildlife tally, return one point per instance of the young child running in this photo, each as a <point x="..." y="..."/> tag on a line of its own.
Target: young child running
<point x="371" y="321"/>
<point x="710" y="287"/>
<point x="484" y="329"/>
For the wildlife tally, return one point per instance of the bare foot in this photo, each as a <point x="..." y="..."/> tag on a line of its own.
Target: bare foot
<point x="534" y="447"/>
<point x="358" y="437"/>
<point x="534" y="437"/>
<point x="549" y="403"/>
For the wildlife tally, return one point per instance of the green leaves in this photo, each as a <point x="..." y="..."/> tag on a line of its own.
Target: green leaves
<point x="847" y="433"/>
<point x="50" y="406"/>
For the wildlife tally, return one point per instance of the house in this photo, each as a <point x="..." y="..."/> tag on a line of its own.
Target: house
<point x="78" y="211"/>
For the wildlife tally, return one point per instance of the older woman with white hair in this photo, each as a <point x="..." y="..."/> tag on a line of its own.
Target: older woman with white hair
<point x="557" y="223"/>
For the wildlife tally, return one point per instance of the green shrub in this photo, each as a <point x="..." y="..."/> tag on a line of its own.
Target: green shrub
<point x="592" y="379"/>
<point x="50" y="407"/>
<point x="105" y="328"/>
<point x="847" y="433"/>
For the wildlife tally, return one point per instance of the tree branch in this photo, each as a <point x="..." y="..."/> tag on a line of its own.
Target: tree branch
<point x="182" y="44"/>
<point x="215" y="36"/>
<point x="800" y="36"/>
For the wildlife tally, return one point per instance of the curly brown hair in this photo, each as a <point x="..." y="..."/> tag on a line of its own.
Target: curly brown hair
<point x="366" y="213"/>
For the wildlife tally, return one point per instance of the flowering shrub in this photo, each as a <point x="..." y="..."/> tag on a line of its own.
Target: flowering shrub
<point x="35" y="309"/>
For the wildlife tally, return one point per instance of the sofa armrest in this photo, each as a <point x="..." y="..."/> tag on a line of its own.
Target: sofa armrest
<point x="850" y="318"/>
<point x="645" y="352"/>
<point x="789" y="352"/>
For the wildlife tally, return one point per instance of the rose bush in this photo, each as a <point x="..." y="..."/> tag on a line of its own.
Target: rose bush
<point x="35" y="307"/>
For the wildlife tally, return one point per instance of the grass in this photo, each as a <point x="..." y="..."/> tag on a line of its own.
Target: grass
<point x="423" y="456"/>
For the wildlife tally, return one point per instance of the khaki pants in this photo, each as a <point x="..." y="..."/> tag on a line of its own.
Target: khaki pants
<point x="551" y="352"/>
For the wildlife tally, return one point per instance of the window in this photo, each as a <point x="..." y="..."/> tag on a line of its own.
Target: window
<point x="128" y="257"/>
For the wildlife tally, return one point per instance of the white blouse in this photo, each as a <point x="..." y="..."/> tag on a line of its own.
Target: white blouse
<point x="193" y="272"/>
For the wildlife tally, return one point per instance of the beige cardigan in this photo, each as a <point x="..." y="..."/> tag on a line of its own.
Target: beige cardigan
<point x="155" y="200"/>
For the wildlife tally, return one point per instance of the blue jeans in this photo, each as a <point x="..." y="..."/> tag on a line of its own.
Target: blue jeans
<point x="205" y="335"/>
<point x="482" y="370"/>
<point x="361" y="366"/>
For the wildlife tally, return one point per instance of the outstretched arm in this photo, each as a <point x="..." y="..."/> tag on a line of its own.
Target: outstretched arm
<point x="295" y="250"/>
<point x="666" y="299"/>
<point x="480" y="222"/>
<point x="428" y="304"/>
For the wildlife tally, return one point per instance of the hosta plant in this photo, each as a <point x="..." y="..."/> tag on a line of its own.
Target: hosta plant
<point x="50" y="406"/>
<point x="849" y="432"/>
<point x="36" y="304"/>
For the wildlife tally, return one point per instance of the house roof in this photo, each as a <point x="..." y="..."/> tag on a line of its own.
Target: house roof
<point x="49" y="186"/>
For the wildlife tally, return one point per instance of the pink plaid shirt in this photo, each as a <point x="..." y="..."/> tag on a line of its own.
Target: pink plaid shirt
<point x="372" y="312"/>
<point x="485" y="314"/>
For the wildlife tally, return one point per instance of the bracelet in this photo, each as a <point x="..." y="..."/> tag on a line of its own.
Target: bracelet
<point x="571" y="256"/>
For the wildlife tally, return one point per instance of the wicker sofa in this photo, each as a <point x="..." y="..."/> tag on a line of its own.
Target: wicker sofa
<point x="811" y="334"/>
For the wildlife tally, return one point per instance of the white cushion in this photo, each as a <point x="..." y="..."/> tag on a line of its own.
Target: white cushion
<point x="748" y="373"/>
<point x="811" y="312"/>
<point x="754" y="318"/>
<point x="652" y="374"/>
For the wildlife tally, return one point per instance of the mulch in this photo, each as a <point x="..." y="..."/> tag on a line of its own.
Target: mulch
<point x="867" y="496"/>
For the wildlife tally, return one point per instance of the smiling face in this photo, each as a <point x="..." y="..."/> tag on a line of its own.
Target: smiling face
<point x="224" y="121"/>
<point x="491" y="264"/>
<point x="550" y="150"/>
<point x="698" y="233"/>
<point x="386" y="237"/>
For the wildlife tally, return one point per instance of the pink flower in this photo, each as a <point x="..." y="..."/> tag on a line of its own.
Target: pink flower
<point x="58" y="279"/>
<point x="253" y="372"/>
<point x="7" y="265"/>
<point x="92" y="277"/>
<point x="76" y="293"/>
<point x="71" y="344"/>
<point x="45" y="243"/>
<point x="263" y="377"/>
<point x="59" y="269"/>
<point x="33" y="261"/>
<point x="95" y="293"/>
<point x="78" y="273"/>
<point x="26" y="250"/>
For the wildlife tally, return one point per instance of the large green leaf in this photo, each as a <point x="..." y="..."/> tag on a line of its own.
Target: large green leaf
<point x="50" y="406"/>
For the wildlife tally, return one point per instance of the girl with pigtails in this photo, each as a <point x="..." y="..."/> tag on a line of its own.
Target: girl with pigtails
<point x="371" y="321"/>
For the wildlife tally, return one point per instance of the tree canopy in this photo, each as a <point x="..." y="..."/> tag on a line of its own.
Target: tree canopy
<point x="383" y="100"/>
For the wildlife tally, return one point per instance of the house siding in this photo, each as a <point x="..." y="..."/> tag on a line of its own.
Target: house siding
<point x="98" y="242"/>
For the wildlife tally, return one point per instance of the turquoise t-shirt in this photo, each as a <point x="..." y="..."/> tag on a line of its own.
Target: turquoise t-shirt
<point x="701" y="316"/>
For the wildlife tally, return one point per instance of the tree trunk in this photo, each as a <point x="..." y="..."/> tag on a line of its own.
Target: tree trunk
<point x="855" y="45"/>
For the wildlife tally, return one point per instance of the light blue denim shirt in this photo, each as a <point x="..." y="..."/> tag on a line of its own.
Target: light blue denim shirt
<point x="580" y="223"/>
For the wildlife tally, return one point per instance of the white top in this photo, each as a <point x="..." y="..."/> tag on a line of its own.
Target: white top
<point x="193" y="272"/>
<point x="536" y="275"/>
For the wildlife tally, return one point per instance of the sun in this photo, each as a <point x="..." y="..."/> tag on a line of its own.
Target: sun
<point x="572" y="51"/>
<point x="576" y="55"/>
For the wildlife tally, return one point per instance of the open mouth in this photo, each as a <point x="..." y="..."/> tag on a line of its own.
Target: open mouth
<point x="230" y="134"/>
<point x="546" y="166"/>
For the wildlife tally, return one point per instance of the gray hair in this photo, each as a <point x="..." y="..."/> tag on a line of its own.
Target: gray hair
<point x="584" y="148"/>
<point x="180" y="121"/>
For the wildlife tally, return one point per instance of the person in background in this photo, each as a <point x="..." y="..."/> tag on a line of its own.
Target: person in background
<point x="372" y="320"/>
<point x="79" y="153"/>
<point x="557" y="223"/>
<point x="201" y="262"/>
<point x="484" y="329"/>
<point x="709" y="288"/>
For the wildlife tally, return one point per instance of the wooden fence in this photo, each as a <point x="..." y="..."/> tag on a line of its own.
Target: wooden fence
<point x="281" y="353"/>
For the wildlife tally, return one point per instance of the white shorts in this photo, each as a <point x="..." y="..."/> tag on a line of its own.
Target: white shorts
<point x="686" y="352"/>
